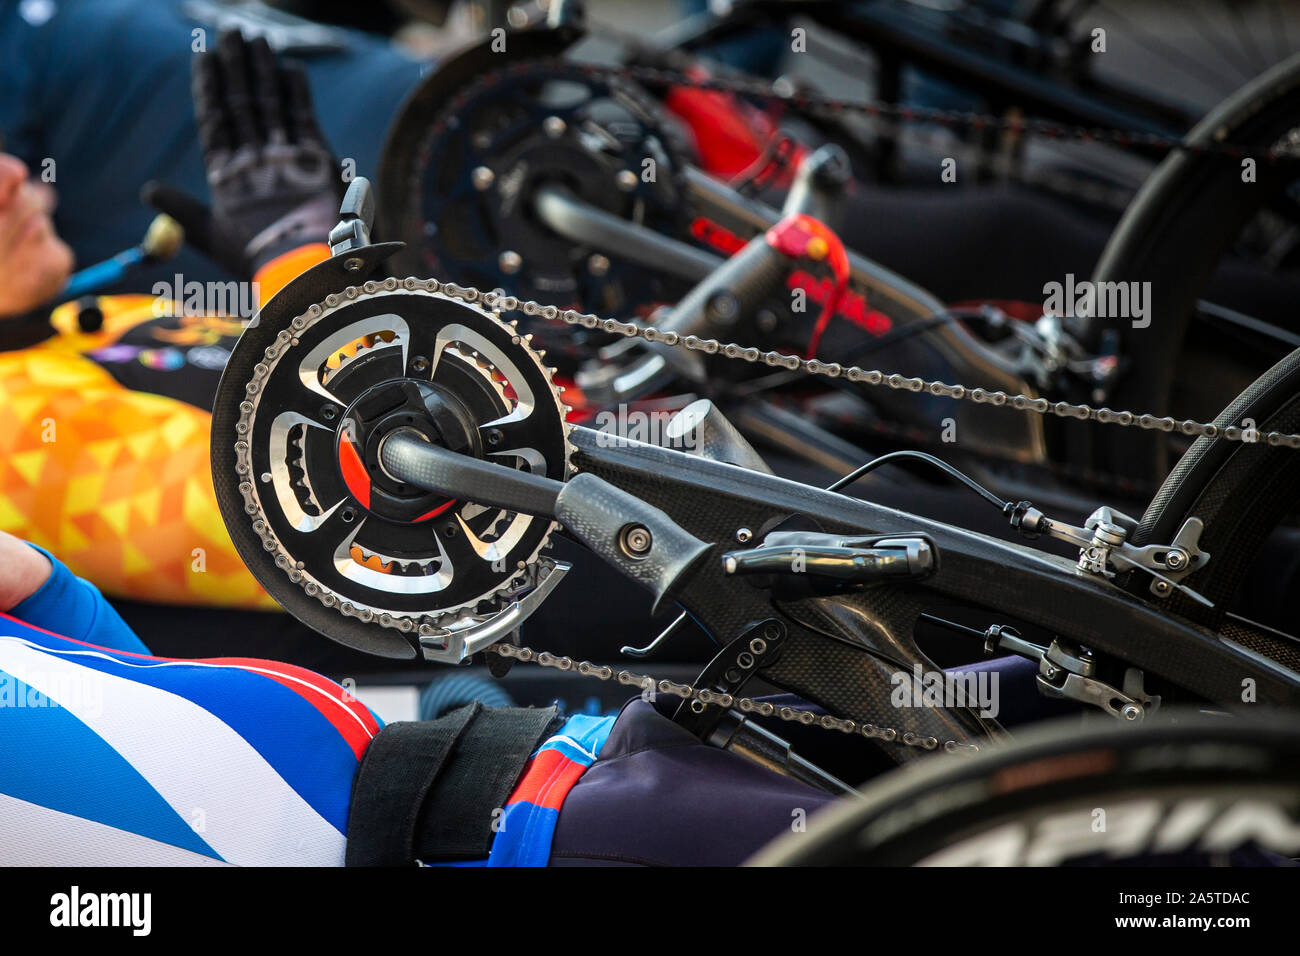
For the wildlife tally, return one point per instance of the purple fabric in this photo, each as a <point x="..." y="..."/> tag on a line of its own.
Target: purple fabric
<point x="1019" y="699"/>
<point x="659" y="797"/>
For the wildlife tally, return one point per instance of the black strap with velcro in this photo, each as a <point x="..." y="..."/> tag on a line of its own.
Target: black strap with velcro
<point x="431" y="790"/>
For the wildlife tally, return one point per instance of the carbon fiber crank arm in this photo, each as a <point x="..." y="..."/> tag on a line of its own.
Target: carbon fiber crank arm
<point x="637" y="538"/>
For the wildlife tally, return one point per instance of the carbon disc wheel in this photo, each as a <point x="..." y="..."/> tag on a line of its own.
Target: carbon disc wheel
<point x="1187" y="791"/>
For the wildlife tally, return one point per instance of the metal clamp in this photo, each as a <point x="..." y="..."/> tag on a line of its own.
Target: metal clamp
<point x="1069" y="674"/>
<point x="1104" y="550"/>
<point x="463" y="639"/>
<point x="356" y="216"/>
<point x="863" y="560"/>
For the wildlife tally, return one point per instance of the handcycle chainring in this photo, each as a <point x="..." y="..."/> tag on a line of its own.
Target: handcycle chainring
<point x="542" y="121"/>
<point x="379" y="553"/>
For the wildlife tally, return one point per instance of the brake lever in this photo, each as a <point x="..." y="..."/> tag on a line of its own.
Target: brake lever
<point x="840" y="560"/>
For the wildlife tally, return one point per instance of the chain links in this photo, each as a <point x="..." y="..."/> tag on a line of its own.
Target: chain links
<point x="493" y="301"/>
<point x="423" y="625"/>
<point x="746" y="705"/>
<point x="879" y="109"/>
<point x="872" y="377"/>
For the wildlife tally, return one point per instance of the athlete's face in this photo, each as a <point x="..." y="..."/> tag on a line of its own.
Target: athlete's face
<point x="34" y="261"/>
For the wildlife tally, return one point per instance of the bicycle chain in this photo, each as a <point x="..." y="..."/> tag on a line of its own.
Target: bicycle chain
<point x="1014" y="124"/>
<point x="746" y="705"/>
<point x="495" y="301"/>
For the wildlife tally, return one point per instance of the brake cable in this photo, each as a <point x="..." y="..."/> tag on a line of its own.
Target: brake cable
<point x="927" y="459"/>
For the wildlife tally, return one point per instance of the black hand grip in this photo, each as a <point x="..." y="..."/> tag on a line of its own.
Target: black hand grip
<point x="635" y="537"/>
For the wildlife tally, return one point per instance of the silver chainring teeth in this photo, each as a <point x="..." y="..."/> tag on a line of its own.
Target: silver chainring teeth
<point x="278" y="491"/>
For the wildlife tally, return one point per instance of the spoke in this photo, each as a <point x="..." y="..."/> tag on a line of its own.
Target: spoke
<point x="1171" y="54"/>
<point x="1221" y="313"/>
<point x="1217" y="41"/>
<point x="509" y="133"/>
<point x="293" y="395"/>
<point x="1282" y="43"/>
<point x="334" y="532"/>
<point x="1244" y="36"/>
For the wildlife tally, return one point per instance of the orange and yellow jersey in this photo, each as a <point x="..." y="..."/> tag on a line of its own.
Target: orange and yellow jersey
<point x="104" y="450"/>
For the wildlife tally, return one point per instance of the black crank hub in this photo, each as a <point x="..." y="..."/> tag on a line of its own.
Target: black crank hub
<point x="552" y="264"/>
<point x="464" y="163"/>
<point x="379" y="411"/>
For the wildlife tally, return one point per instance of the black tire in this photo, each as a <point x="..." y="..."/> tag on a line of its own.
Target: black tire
<point x="987" y="809"/>
<point x="1174" y="235"/>
<point x="1242" y="491"/>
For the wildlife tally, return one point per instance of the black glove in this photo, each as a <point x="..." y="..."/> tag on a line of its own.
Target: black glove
<point x="273" y="182"/>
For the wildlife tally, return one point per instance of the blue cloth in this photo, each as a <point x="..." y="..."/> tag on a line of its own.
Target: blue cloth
<point x="527" y="826"/>
<point x="245" y="761"/>
<point x="73" y="607"/>
<point x="102" y="88"/>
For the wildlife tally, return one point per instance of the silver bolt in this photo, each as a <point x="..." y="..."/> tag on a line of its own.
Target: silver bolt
<point x="636" y="540"/>
<point x="553" y="127"/>
<point x="483" y="178"/>
<point x="598" y="265"/>
<point x="266" y="477"/>
<point x="1176" y="559"/>
<point x="355" y="264"/>
<point x="1131" y="712"/>
<point x="744" y="535"/>
<point x="1106" y="533"/>
<point x="510" y="262"/>
<point x="758" y="646"/>
<point x="626" y="180"/>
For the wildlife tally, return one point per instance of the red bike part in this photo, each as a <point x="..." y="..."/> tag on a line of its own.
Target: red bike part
<point x="802" y="237"/>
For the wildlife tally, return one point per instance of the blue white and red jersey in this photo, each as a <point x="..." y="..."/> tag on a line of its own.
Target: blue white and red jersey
<point x="110" y="756"/>
<point x="114" y="757"/>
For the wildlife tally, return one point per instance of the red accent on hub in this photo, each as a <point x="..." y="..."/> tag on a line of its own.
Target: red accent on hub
<point x="354" y="471"/>
<point x="436" y="511"/>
